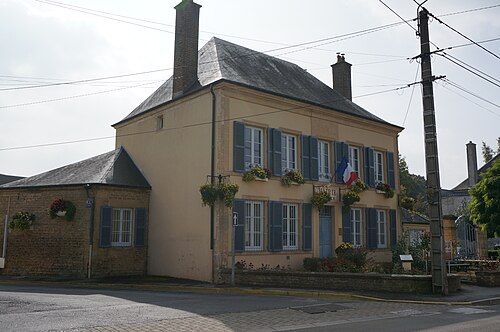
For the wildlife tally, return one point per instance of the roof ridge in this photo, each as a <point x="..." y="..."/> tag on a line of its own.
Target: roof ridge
<point x="105" y="174"/>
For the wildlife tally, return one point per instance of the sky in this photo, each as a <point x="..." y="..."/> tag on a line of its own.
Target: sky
<point x="131" y="43"/>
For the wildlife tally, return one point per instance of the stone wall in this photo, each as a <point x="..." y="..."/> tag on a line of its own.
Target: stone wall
<point x="338" y="281"/>
<point x="488" y="278"/>
<point x="60" y="248"/>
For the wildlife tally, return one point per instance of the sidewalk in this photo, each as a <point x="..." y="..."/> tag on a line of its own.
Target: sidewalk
<point x="469" y="294"/>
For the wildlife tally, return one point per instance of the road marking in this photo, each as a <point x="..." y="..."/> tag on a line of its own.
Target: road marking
<point x="469" y="311"/>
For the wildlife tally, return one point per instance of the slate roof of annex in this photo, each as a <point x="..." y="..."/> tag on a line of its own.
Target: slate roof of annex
<point x="465" y="183"/>
<point x="8" y="178"/>
<point x="111" y="168"/>
<point x="219" y="60"/>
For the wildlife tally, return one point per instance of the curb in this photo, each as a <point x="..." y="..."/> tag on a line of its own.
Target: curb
<point x="239" y="290"/>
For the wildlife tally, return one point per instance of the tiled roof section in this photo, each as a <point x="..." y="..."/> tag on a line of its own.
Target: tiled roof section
<point x="8" y="178"/>
<point x="222" y="60"/>
<point x="413" y="218"/>
<point x="465" y="183"/>
<point x="111" y="168"/>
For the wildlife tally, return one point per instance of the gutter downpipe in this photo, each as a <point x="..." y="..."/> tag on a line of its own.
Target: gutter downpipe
<point x="91" y="230"/>
<point x="6" y="230"/>
<point x="212" y="179"/>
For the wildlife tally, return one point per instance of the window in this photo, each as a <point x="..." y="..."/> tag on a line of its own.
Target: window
<point x="354" y="158"/>
<point x="324" y="161"/>
<point x="379" y="167"/>
<point x="356" y="227"/>
<point x="290" y="226"/>
<point x="253" y="147"/>
<point x="159" y="122"/>
<point x="416" y="236"/>
<point x="121" y="233"/>
<point x="254" y="223"/>
<point x="381" y="229"/>
<point x="288" y="152"/>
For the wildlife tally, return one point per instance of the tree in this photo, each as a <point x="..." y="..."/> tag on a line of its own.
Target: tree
<point x="488" y="152"/>
<point x="485" y="204"/>
<point x="413" y="185"/>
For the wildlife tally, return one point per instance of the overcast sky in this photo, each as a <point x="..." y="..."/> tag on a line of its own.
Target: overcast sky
<point x="46" y="42"/>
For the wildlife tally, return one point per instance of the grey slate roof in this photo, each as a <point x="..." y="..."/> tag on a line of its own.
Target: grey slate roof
<point x="465" y="183"/>
<point x="8" y="178"/>
<point x="111" y="168"/>
<point x="413" y="218"/>
<point x="219" y="60"/>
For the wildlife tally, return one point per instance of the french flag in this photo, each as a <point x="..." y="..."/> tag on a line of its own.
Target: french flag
<point x="348" y="174"/>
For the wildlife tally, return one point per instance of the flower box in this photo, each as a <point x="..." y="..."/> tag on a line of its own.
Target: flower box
<point x="261" y="180"/>
<point x="61" y="213"/>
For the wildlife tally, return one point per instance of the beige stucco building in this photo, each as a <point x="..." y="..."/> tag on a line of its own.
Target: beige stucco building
<point x="228" y="108"/>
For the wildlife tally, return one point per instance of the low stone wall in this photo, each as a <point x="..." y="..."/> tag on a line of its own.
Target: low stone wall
<point x="339" y="281"/>
<point x="488" y="278"/>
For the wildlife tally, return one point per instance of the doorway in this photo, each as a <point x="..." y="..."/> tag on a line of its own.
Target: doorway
<point x="325" y="232"/>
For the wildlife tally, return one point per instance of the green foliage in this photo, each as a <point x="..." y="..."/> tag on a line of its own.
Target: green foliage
<point x="319" y="199"/>
<point x="408" y="203"/>
<point x="256" y="172"/>
<point x="359" y="186"/>
<point x="224" y="191"/>
<point x="311" y="264"/>
<point x="414" y="186"/>
<point x="22" y="220"/>
<point x="485" y="204"/>
<point x="292" y="176"/>
<point x="487" y="152"/>
<point x="388" y="192"/>
<point x="416" y="250"/>
<point x="493" y="254"/>
<point x="348" y="199"/>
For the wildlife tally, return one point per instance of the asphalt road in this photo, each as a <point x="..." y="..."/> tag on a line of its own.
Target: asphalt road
<point x="43" y="308"/>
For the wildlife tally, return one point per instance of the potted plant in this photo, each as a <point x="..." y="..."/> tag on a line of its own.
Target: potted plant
<point x="359" y="186"/>
<point x="292" y="177"/>
<point x="258" y="173"/>
<point x="408" y="203"/>
<point x="319" y="199"/>
<point x="384" y="188"/>
<point x="62" y="209"/>
<point x="22" y="220"/>
<point x="349" y="198"/>
<point x="224" y="191"/>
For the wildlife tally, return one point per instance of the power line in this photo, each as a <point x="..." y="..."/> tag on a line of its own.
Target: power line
<point x="461" y="34"/>
<point x="471" y="93"/>
<point x="202" y="123"/>
<point x="469" y="70"/>
<point x="477" y="104"/>
<point x="411" y="96"/>
<point x="402" y="19"/>
<point x="469" y="10"/>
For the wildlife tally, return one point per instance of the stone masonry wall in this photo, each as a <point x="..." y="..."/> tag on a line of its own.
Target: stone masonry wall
<point x="60" y="248"/>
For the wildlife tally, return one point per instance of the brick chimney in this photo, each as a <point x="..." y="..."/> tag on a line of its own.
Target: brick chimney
<point x="471" y="164"/>
<point x="342" y="76"/>
<point x="186" y="46"/>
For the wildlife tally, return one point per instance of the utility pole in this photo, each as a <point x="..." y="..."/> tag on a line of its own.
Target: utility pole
<point x="438" y="265"/>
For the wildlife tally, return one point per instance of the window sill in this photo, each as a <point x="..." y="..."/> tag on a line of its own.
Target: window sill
<point x="261" y="180"/>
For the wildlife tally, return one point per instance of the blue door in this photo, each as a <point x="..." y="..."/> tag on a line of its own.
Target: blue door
<point x="325" y="231"/>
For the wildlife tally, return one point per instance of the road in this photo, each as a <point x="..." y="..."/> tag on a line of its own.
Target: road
<point x="42" y="308"/>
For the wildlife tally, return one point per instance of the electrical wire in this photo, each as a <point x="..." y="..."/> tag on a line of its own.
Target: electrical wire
<point x="411" y="96"/>
<point x="477" y="104"/>
<point x="402" y="19"/>
<point x="470" y="93"/>
<point x="204" y="123"/>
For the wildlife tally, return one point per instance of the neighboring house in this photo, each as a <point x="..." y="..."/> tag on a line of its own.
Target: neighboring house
<point x="415" y="224"/>
<point x="453" y="200"/>
<point x="108" y="235"/>
<point x="8" y="178"/>
<point x="256" y="110"/>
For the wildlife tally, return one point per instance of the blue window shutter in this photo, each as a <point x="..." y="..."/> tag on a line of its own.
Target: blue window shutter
<point x="105" y="229"/>
<point x="140" y="227"/>
<point x="391" y="179"/>
<point x="371" y="228"/>
<point x="239" y="234"/>
<point x="275" y="226"/>
<point x="341" y="151"/>
<point x="346" y="227"/>
<point x="307" y="226"/>
<point x="369" y="167"/>
<point x="394" y="239"/>
<point x="306" y="152"/>
<point x="239" y="147"/>
<point x="276" y="148"/>
<point x="269" y="148"/>
<point x="314" y="158"/>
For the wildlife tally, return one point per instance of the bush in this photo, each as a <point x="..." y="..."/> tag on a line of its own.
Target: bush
<point x="493" y="254"/>
<point x="311" y="264"/>
<point x="22" y="220"/>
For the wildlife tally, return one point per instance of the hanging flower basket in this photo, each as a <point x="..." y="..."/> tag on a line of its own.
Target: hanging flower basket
<point x="62" y="209"/>
<point x="292" y="177"/>
<point x="349" y="198"/>
<point x="22" y="220"/>
<point x="258" y="173"/>
<point x="225" y="191"/>
<point x="385" y="189"/>
<point x="408" y="203"/>
<point x="359" y="186"/>
<point x="319" y="199"/>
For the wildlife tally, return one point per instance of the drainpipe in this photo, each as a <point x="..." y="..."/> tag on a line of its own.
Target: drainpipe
<point x="5" y="230"/>
<point x="212" y="180"/>
<point x="90" y="201"/>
